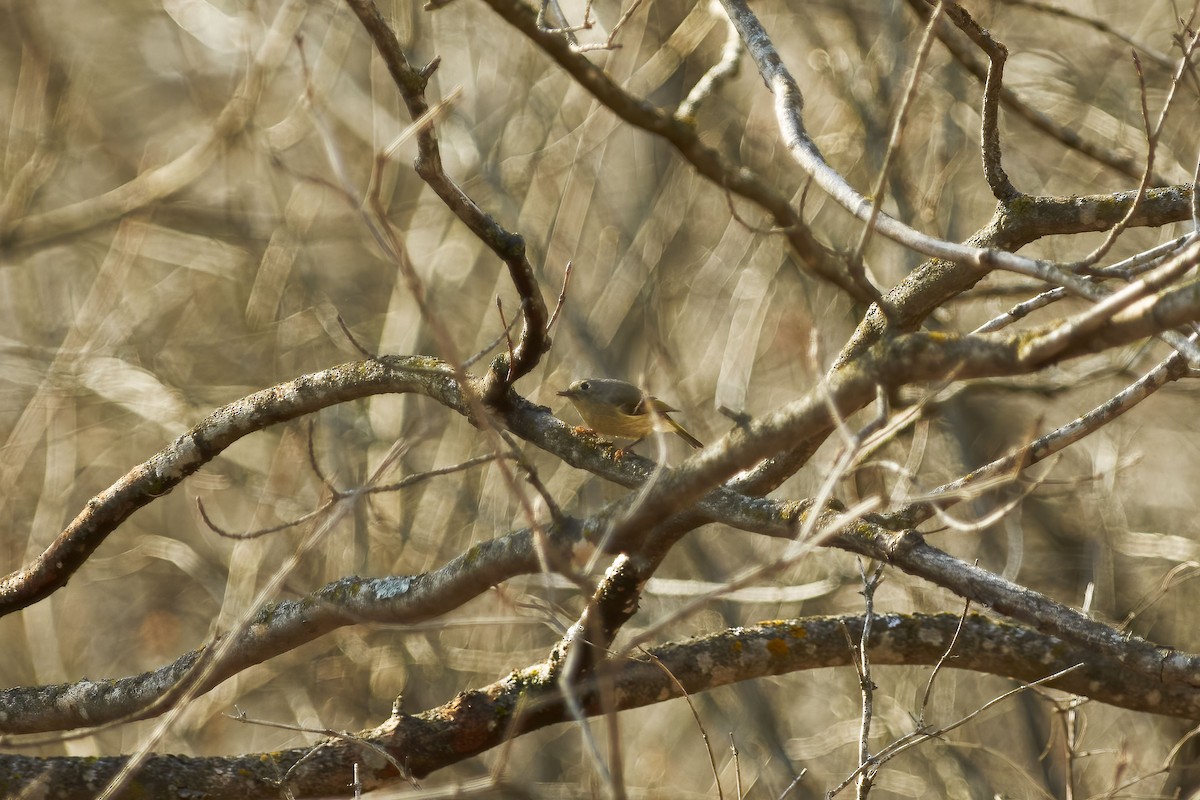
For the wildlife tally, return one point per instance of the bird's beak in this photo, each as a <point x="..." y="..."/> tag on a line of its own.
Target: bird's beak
<point x="566" y="393"/>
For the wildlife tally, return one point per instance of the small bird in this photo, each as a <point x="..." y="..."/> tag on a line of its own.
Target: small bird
<point x="616" y="408"/>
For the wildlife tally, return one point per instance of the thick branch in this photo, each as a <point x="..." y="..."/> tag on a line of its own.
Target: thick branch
<point x="526" y="700"/>
<point x="163" y="471"/>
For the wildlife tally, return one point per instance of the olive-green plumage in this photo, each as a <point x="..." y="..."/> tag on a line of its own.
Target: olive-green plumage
<point x="616" y="408"/>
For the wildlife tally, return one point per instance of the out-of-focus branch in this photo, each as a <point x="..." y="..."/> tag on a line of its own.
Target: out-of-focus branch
<point x="1161" y="59"/>
<point x="165" y="180"/>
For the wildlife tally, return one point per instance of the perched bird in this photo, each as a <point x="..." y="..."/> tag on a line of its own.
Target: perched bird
<point x="616" y="408"/>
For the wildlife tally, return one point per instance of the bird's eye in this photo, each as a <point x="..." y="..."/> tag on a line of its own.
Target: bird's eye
<point x="585" y="386"/>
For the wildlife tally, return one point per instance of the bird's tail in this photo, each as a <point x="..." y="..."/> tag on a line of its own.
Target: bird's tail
<point x="687" y="437"/>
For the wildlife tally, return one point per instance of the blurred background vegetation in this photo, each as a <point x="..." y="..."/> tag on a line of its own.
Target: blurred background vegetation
<point x="120" y="329"/>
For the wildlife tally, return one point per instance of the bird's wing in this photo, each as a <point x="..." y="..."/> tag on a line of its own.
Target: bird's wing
<point x="651" y="403"/>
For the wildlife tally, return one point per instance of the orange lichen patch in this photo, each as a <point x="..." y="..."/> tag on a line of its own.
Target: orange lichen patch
<point x="777" y="648"/>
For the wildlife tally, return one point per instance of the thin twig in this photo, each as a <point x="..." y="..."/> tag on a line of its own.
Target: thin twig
<point x="915" y="738"/>
<point x="1152" y="137"/>
<point x="717" y="75"/>
<point x="937" y="668"/>
<point x="683" y="692"/>
<point x="353" y="341"/>
<point x="1171" y="368"/>
<point x="862" y="666"/>
<point x="897" y="132"/>
<point x="330" y="733"/>
<point x="562" y="297"/>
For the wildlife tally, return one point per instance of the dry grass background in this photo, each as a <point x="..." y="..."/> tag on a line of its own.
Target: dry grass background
<point x="116" y="335"/>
